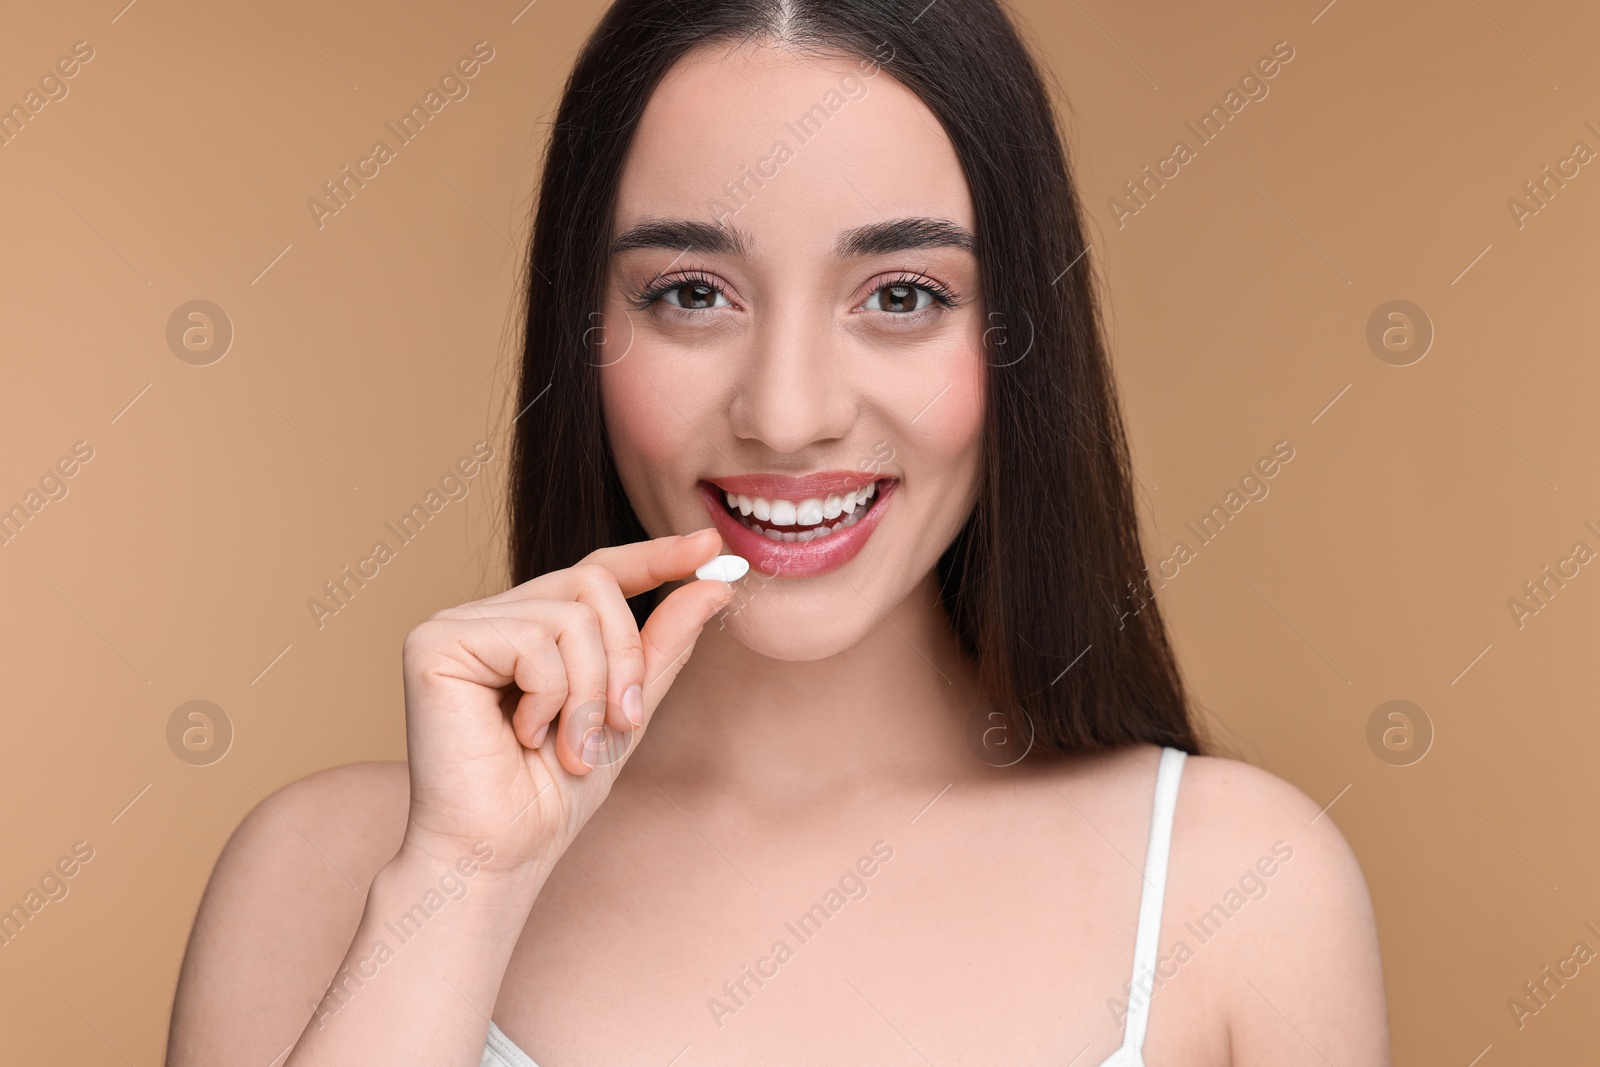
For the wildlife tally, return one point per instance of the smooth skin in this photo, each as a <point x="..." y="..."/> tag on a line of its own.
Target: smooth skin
<point x="610" y="910"/>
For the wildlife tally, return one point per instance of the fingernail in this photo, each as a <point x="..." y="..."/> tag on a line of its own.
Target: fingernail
<point x="538" y="735"/>
<point x="593" y="743"/>
<point x="633" y="704"/>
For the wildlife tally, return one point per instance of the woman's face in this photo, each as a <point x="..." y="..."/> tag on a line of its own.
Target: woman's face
<point x="792" y="317"/>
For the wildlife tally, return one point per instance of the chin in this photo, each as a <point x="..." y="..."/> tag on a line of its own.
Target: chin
<point x="771" y="624"/>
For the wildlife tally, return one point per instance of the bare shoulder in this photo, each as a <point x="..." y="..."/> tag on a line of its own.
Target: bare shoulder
<point x="1230" y="813"/>
<point x="1228" y="797"/>
<point x="356" y="811"/>
<point x="284" y="899"/>
<point x="325" y="835"/>
<point x="1266" y="889"/>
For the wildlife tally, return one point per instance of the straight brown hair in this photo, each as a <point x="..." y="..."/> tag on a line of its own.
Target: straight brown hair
<point x="1037" y="584"/>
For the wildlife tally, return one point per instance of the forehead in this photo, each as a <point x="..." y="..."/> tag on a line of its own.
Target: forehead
<point x="795" y="147"/>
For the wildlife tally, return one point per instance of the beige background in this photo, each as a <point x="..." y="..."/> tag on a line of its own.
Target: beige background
<point x="369" y="355"/>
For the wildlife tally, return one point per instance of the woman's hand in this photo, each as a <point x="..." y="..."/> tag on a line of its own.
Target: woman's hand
<point x="522" y="707"/>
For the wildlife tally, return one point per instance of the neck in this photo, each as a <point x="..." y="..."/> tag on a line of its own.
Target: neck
<point x="901" y="706"/>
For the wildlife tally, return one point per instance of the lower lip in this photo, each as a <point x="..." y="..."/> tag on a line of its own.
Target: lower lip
<point x="796" y="559"/>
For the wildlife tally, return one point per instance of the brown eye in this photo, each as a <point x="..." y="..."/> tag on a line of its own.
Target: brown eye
<point x="900" y="298"/>
<point x="694" y="296"/>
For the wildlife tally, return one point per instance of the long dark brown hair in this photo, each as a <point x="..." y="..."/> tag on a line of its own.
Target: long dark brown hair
<point x="1045" y="584"/>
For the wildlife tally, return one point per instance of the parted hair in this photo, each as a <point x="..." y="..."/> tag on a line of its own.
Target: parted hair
<point x="1045" y="585"/>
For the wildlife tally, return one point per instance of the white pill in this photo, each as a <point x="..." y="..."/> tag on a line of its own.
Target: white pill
<point x="723" y="568"/>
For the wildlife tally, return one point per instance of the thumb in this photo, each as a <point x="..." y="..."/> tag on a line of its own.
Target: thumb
<point x="668" y="637"/>
<point x="670" y="632"/>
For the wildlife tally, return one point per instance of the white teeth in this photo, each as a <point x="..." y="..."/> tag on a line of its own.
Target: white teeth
<point x="804" y="535"/>
<point x="817" y="513"/>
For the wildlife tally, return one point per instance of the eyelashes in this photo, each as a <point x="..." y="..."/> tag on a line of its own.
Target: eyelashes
<point x="708" y="288"/>
<point x="660" y="286"/>
<point x="943" y="294"/>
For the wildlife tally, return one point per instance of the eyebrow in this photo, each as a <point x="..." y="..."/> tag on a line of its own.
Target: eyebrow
<point x="893" y="235"/>
<point x="680" y="235"/>
<point x="898" y="235"/>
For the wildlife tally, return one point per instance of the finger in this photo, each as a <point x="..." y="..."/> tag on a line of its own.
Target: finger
<point x="619" y="632"/>
<point x="671" y="630"/>
<point x="639" y="566"/>
<point x="668" y="638"/>
<point x="584" y="659"/>
<point x="442" y="653"/>
<point x="644" y="565"/>
<point x="596" y="587"/>
<point x="527" y="610"/>
<point x="537" y="708"/>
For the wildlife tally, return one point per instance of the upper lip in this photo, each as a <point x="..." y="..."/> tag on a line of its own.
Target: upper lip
<point x="794" y="486"/>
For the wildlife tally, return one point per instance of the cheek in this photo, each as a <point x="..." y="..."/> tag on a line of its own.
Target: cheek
<point x="650" y="416"/>
<point x="641" y="439"/>
<point x="948" y="435"/>
<point x="636" y="437"/>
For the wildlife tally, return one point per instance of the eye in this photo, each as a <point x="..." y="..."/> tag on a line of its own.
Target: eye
<point x="907" y="296"/>
<point x="900" y="298"/>
<point x="693" y="296"/>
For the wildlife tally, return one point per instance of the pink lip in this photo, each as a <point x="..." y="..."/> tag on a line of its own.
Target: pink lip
<point x="795" y="559"/>
<point x="795" y="487"/>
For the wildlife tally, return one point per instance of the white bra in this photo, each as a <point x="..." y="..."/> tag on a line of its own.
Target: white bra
<point x="500" y="1051"/>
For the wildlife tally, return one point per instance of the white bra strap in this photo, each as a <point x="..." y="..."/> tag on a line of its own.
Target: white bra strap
<point x="1146" y="941"/>
<point x="500" y="1051"/>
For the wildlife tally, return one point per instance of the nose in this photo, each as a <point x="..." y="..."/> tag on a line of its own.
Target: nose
<point x="792" y="390"/>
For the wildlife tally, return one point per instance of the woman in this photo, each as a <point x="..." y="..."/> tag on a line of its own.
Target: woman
<point x="807" y="287"/>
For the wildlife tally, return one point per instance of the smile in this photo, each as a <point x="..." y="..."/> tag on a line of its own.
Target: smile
<point x="805" y="520"/>
<point x="797" y="526"/>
